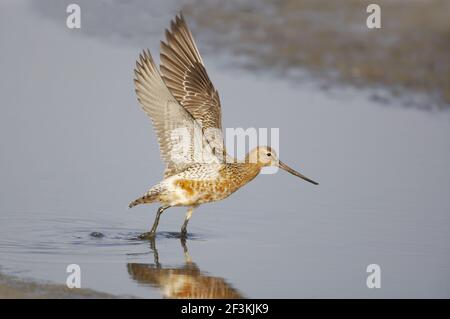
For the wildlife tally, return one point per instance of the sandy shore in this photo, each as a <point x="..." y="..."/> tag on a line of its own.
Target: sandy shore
<point x="15" y="288"/>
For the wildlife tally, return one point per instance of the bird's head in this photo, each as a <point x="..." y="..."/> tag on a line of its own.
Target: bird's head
<point x="266" y="156"/>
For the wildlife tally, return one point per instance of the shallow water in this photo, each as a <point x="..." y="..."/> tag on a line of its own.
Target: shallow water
<point x="76" y="149"/>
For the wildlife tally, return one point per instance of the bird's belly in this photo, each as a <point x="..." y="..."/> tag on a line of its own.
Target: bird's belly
<point x="185" y="192"/>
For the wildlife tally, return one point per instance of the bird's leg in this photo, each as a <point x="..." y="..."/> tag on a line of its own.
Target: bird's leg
<point x="152" y="232"/>
<point x="186" y="221"/>
<point x="156" y="222"/>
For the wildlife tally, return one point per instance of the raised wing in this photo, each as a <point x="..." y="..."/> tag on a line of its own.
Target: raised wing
<point x="180" y="137"/>
<point x="185" y="75"/>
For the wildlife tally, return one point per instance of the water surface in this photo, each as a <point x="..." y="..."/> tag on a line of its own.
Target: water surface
<point x="76" y="148"/>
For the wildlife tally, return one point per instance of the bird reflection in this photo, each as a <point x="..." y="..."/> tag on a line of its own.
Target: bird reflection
<point x="186" y="281"/>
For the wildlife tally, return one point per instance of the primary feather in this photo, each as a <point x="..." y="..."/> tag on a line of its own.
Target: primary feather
<point x="170" y="120"/>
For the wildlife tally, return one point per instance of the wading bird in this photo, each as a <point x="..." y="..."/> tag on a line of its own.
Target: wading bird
<point x="182" y="97"/>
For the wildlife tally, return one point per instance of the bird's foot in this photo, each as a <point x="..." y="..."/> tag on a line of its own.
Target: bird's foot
<point x="148" y="235"/>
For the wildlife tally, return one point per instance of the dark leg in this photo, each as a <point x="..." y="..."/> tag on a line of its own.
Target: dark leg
<point x="186" y="221"/>
<point x="152" y="232"/>
<point x="156" y="222"/>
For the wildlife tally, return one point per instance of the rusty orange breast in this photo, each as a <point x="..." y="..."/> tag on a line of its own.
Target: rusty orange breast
<point x="230" y="178"/>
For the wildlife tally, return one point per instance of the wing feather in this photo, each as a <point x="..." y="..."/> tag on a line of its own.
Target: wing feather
<point x="180" y="136"/>
<point x="185" y="75"/>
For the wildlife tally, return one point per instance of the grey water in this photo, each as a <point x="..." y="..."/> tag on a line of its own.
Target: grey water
<point x="76" y="148"/>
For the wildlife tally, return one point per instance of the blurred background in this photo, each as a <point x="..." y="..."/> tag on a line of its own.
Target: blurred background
<point x="362" y="111"/>
<point x="408" y="55"/>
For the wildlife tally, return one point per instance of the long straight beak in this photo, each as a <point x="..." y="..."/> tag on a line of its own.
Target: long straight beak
<point x="293" y="172"/>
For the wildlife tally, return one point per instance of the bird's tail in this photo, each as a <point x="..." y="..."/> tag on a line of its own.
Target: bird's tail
<point x="148" y="197"/>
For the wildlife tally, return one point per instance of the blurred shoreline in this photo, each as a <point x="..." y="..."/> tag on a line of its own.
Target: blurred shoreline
<point x="15" y="288"/>
<point x="404" y="62"/>
<point x="408" y="55"/>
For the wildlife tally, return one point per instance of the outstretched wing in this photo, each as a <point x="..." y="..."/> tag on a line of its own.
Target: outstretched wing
<point x="180" y="137"/>
<point x="185" y="75"/>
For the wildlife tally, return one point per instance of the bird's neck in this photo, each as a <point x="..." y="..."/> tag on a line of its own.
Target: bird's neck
<point x="252" y="159"/>
<point x="243" y="173"/>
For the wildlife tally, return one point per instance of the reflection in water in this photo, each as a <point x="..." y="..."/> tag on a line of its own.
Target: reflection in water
<point x="187" y="281"/>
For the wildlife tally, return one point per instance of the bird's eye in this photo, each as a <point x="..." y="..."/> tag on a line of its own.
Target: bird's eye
<point x="268" y="154"/>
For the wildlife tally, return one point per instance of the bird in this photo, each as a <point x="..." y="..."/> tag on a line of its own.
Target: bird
<point x="184" y="107"/>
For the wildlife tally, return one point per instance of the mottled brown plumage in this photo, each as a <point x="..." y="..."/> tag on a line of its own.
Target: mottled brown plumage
<point x="186" y="113"/>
